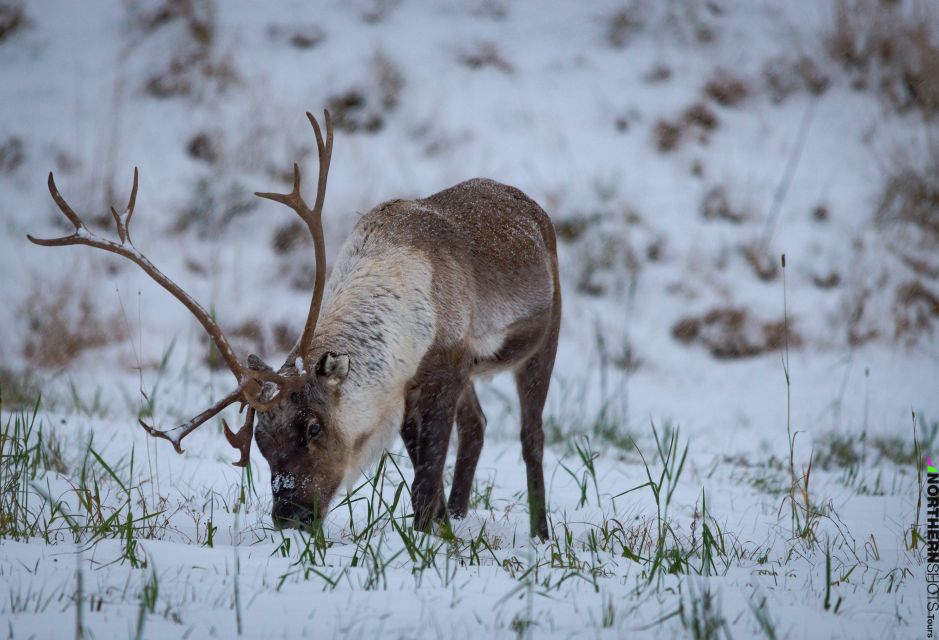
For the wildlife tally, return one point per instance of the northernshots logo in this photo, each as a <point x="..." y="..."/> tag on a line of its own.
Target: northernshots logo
<point x="932" y="546"/>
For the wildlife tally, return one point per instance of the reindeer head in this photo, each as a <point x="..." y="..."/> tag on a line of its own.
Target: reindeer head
<point x="296" y="406"/>
<point x="303" y="445"/>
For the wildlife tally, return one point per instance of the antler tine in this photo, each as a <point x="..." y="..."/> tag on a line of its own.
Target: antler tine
<point x="176" y="434"/>
<point x="126" y="249"/>
<point x="121" y="222"/>
<point x="325" y="156"/>
<point x="63" y="205"/>
<point x="314" y="221"/>
<point x="242" y="439"/>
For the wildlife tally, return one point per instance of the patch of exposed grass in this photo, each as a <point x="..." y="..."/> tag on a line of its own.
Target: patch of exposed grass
<point x="839" y="450"/>
<point x="901" y="450"/>
<point x="18" y="389"/>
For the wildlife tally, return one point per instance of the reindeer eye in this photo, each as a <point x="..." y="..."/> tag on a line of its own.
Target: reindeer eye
<point x="314" y="428"/>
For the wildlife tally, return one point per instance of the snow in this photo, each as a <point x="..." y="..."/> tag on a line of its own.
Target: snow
<point x="73" y="89"/>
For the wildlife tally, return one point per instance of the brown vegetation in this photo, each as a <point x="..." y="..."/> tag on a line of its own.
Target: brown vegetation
<point x="726" y="89"/>
<point x="891" y="47"/>
<point x="732" y="333"/>
<point x="62" y="322"/>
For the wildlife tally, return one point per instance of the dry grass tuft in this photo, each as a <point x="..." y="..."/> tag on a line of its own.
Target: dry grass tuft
<point x="290" y="236"/>
<point x="667" y="135"/>
<point x="62" y="323"/>
<point x="732" y="333"/>
<point x="698" y="121"/>
<point x="204" y="146"/>
<point x="854" y="309"/>
<point x="892" y="47"/>
<point x="18" y="388"/>
<point x="915" y="310"/>
<point x="784" y="76"/>
<point x="194" y="59"/>
<point x="350" y="112"/>
<point x="911" y="196"/>
<point x="700" y="115"/>
<point x="726" y="89"/>
<point x="715" y="205"/>
<point x="764" y="265"/>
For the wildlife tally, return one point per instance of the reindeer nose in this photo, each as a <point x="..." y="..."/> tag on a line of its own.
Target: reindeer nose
<point x="283" y="513"/>
<point x="287" y="514"/>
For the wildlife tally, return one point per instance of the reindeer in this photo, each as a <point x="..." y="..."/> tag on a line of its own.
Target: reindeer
<point x="424" y="296"/>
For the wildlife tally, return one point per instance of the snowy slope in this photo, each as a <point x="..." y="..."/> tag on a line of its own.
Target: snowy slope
<point x="565" y="101"/>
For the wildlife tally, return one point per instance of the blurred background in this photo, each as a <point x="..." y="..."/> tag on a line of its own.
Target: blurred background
<point x="680" y="147"/>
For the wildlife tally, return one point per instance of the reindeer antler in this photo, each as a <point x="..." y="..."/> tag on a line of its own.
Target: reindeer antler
<point x="250" y="381"/>
<point x="127" y="249"/>
<point x="314" y="222"/>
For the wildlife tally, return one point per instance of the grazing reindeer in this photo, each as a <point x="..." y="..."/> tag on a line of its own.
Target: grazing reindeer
<point x="424" y="296"/>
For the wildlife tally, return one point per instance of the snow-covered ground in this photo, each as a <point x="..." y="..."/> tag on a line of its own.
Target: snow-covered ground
<point x="680" y="147"/>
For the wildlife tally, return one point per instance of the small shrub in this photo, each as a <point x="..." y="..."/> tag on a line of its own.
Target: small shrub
<point x="194" y="59"/>
<point x="697" y="118"/>
<point x="350" y="112"/>
<point x="726" y="89"/>
<point x="854" y="309"/>
<point x="290" y="236"/>
<point x="667" y="135"/>
<point x="915" y="310"/>
<point x="63" y="322"/>
<point x="764" y="265"/>
<point x="784" y="76"/>
<point x="603" y="265"/>
<point x="911" y="195"/>
<point x="892" y="47"/>
<point x="203" y="146"/>
<point x="829" y="281"/>
<point x="732" y="333"/>
<point x="572" y="228"/>
<point x="700" y="115"/>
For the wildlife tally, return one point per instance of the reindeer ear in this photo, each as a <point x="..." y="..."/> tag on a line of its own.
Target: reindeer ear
<point x="333" y="368"/>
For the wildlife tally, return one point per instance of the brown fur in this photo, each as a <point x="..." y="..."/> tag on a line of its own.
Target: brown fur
<point x="499" y="257"/>
<point x="495" y="304"/>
